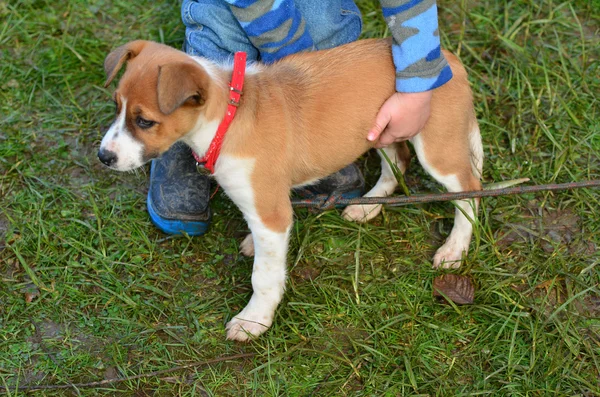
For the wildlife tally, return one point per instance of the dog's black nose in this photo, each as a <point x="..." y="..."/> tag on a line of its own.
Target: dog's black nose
<point x="107" y="157"/>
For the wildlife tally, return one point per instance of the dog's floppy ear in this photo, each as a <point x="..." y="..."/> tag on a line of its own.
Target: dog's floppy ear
<point x="115" y="60"/>
<point x="179" y="83"/>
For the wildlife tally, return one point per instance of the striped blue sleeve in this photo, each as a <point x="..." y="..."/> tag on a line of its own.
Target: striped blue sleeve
<point x="275" y="27"/>
<point x="420" y="65"/>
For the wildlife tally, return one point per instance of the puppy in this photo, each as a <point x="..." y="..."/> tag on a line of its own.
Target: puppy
<point x="298" y="120"/>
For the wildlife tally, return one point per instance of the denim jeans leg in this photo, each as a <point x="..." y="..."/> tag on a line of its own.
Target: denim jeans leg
<point x="211" y="31"/>
<point x="331" y="23"/>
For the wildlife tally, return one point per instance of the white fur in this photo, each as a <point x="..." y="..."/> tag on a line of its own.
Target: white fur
<point x="200" y="137"/>
<point x="247" y="246"/>
<point x="120" y="141"/>
<point x="213" y="68"/>
<point x="450" y="254"/>
<point x="270" y="252"/>
<point x="476" y="151"/>
<point x="253" y="67"/>
<point x="384" y="187"/>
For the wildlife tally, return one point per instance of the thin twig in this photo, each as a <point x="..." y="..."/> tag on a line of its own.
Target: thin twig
<point x="118" y="380"/>
<point x="324" y="201"/>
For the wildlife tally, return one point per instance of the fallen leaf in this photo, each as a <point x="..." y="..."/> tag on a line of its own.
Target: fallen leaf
<point x="459" y="289"/>
<point x="30" y="292"/>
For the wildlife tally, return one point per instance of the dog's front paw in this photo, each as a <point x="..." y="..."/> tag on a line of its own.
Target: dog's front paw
<point x="361" y="213"/>
<point x="449" y="255"/>
<point x="247" y="246"/>
<point x="243" y="329"/>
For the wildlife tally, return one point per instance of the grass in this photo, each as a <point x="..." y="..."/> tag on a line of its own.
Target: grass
<point x="112" y="296"/>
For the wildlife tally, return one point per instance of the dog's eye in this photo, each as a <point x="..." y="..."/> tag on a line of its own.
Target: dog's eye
<point x="143" y="123"/>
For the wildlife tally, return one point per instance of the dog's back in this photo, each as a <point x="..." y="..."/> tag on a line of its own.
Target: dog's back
<point x="313" y="110"/>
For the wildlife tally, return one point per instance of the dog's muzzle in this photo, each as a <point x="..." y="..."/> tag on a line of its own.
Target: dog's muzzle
<point x="107" y="157"/>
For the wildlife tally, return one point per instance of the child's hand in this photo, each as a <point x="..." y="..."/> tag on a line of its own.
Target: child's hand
<point x="400" y="118"/>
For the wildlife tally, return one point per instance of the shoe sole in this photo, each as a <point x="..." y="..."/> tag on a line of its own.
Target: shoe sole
<point x="176" y="227"/>
<point x="198" y="228"/>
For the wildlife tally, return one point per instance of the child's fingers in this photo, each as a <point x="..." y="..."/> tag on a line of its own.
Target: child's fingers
<point x="381" y="121"/>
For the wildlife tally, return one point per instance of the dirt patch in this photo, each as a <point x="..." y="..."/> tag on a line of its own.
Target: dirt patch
<point x="552" y="229"/>
<point x="547" y="296"/>
<point x="341" y="342"/>
<point x="48" y="334"/>
<point x="306" y="273"/>
<point x="79" y="177"/>
<point x="589" y="306"/>
<point x="4" y="225"/>
<point x="50" y="340"/>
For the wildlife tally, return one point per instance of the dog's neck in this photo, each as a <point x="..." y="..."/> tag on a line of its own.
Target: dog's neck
<point x="201" y="136"/>
<point x="209" y="118"/>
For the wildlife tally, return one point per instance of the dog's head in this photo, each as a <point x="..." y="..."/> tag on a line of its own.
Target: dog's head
<point x="160" y="98"/>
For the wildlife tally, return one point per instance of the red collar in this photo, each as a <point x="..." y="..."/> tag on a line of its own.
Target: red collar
<point x="235" y="92"/>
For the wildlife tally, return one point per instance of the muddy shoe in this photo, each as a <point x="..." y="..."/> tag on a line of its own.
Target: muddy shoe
<point x="178" y="198"/>
<point x="347" y="182"/>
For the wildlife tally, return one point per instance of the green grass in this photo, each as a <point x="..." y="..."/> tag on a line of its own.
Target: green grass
<point x="118" y="298"/>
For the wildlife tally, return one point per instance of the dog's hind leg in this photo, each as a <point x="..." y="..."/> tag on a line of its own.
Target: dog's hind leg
<point x="456" y="165"/>
<point x="399" y="155"/>
<point x="247" y="246"/>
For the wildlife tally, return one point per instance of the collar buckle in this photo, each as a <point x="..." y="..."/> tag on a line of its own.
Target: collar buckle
<point x="232" y="98"/>
<point x="202" y="169"/>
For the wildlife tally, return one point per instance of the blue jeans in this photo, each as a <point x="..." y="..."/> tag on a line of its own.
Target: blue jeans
<point x="213" y="32"/>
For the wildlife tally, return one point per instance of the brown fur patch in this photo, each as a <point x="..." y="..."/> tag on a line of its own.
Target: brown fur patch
<point x="179" y="83"/>
<point x="445" y="137"/>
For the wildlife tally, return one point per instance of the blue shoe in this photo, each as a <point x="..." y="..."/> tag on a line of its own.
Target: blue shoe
<point x="178" y="197"/>
<point x="348" y="183"/>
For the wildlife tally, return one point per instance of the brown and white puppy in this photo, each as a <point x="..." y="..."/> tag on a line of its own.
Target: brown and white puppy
<point x="300" y="119"/>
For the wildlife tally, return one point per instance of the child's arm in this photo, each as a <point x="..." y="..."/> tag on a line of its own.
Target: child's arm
<point x="420" y="67"/>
